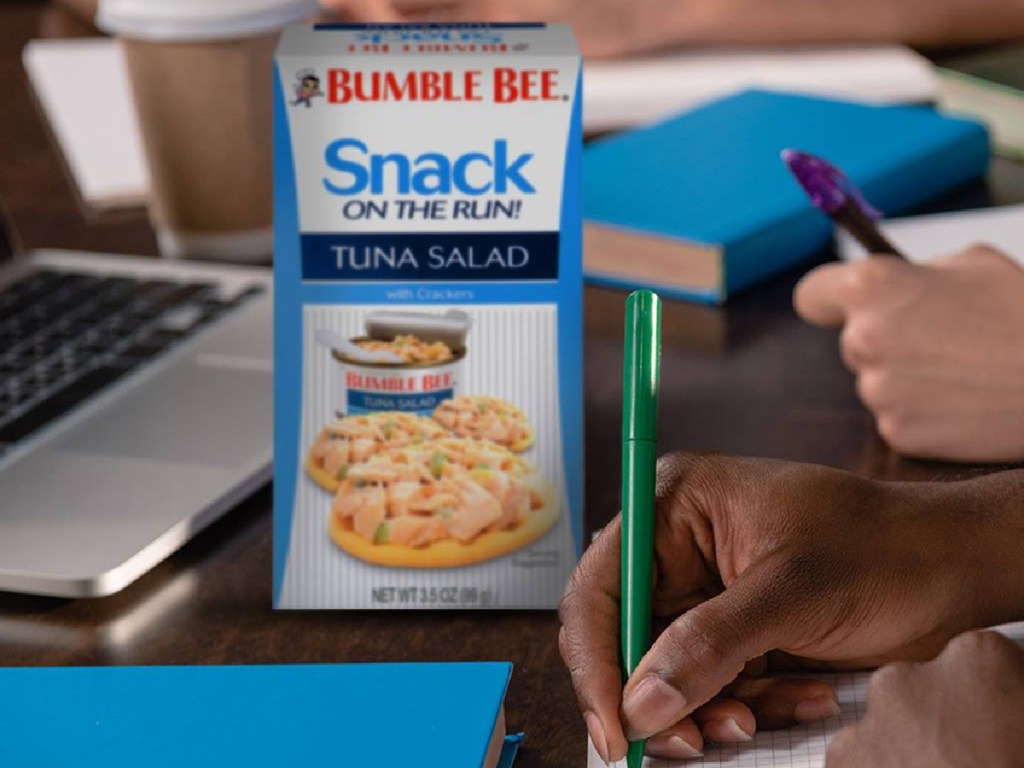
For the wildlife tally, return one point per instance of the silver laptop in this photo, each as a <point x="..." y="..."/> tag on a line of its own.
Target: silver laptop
<point x="135" y="408"/>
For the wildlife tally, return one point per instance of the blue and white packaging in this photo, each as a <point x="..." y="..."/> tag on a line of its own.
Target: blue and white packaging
<point x="428" y="316"/>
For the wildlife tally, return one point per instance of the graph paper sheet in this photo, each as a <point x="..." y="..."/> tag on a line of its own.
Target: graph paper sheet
<point x="800" y="747"/>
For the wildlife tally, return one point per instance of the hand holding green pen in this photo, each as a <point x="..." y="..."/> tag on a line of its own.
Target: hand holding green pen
<point x="641" y="372"/>
<point x="820" y="567"/>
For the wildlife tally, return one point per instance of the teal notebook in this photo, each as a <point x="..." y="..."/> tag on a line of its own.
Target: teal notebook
<point x="700" y="206"/>
<point x="344" y="715"/>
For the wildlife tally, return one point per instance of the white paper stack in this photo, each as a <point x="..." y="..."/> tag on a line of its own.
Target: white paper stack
<point x="621" y="93"/>
<point x="940" y="234"/>
<point x="83" y="88"/>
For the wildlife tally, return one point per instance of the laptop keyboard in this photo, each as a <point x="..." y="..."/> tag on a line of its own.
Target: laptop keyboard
<point x="64" y="336"/>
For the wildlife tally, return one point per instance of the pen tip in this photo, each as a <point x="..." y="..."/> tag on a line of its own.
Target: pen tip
<point x="635" y="755"/>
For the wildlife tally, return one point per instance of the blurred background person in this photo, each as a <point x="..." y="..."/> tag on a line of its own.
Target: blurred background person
<point x="619" y="27"/>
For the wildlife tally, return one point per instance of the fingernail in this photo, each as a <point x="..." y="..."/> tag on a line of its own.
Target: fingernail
<point x="651" y="706"/>
<point x="725" y="729"/>
<point x="818" y="708"/>
<point x="596" y="731"/>
<point x="673" y="748"/>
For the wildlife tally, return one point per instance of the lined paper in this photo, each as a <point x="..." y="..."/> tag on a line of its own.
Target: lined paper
<point x="632" y="91"/>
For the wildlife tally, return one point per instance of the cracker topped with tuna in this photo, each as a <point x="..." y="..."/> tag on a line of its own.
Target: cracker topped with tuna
<point x="443" y="503"/>
<point x="487" y="418"/>
<point x="352" y="440"/>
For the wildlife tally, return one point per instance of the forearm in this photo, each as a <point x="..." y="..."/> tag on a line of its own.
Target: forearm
<point x="915" y="22"/>
<point x="988" y="515"/>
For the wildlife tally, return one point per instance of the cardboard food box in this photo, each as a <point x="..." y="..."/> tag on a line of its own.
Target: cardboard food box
<point x="428" y="319"/>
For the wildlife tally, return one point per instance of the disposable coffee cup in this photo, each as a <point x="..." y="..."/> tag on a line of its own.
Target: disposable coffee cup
<point x="201" y="75"/>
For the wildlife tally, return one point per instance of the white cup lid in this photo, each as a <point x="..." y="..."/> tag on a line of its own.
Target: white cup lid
<point x="188" y="20"/>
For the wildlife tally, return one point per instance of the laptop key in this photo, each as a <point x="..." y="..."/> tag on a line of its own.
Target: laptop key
<point x="24" y="327"/>
<point x="246" y="294"/>
<point x="43" y="346"/>
<point x="17" y="397"/>
<point x="19" y="359"/>
<point x="46" y="375"/>
<point x="93" y="344"/>
<point x="142" y="312"/>
<point x="36" y="282"/>
<point x="177" y="295"/>
<point x="115" y="285"/>
<point x="150" y="345"/>
<point x="181" y="319"/>
<point x="213" y="306"/>
<point x="151" y="290"/>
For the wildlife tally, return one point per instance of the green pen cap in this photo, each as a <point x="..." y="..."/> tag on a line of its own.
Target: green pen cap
<point x="643" y="364"/>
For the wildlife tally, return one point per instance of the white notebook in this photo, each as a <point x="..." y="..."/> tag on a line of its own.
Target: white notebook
<point x="83" y="88"/>
<point x="620" y="93"/>
<point x="800" y="747"/>
<point x="925" y="237"/>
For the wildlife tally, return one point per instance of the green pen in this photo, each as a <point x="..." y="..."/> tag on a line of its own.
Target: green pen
<point x="641" y="372"/>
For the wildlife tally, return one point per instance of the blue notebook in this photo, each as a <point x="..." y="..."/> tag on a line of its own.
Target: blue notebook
<point x="700" y="206"/>
<point x="344" y="715"/>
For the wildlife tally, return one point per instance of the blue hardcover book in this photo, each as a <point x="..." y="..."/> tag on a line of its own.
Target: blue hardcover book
<point x="345" y="715"/>
<point x="700" y="206"/>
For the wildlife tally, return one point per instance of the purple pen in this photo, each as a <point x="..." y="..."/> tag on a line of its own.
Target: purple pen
<point x="834" y="194"/>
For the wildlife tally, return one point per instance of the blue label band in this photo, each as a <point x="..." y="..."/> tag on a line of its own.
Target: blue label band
<point x="431" y="257"/>
<point x="361" y="401"/>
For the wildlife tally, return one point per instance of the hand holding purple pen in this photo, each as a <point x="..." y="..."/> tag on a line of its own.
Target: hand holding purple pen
<point x="833" y="193"/>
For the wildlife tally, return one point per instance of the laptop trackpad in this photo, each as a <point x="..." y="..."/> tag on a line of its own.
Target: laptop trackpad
<point x="195" y="414"/>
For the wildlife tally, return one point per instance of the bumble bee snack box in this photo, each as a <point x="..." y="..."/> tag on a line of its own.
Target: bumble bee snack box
<point x="428" y="320"/>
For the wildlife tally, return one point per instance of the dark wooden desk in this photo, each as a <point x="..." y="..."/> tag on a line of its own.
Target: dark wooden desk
<point x="751" y="379"/>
